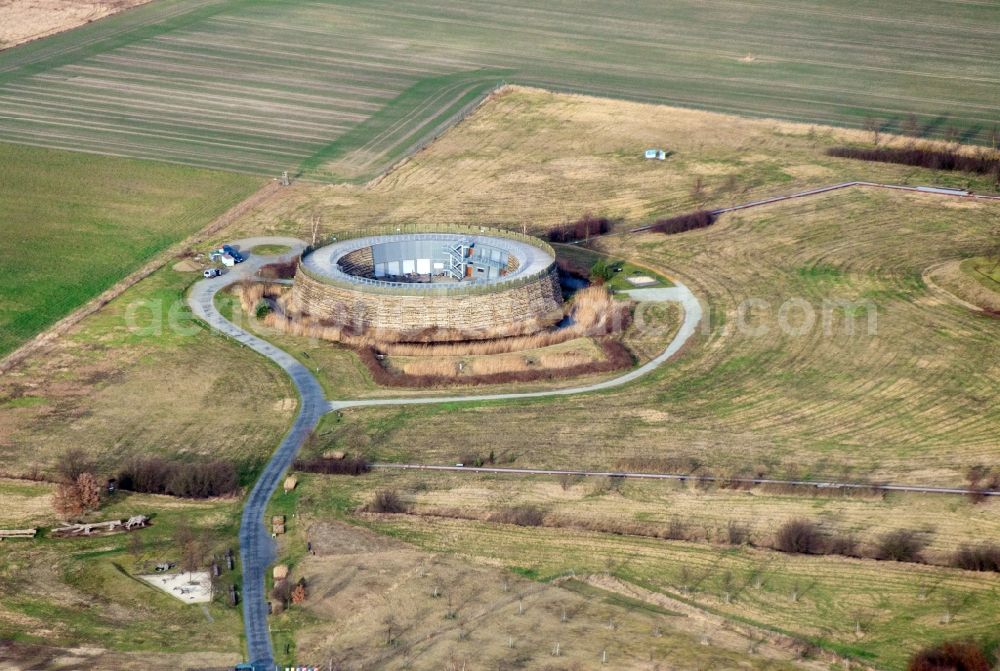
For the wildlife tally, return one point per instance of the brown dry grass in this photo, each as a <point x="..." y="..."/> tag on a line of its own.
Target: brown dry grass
<point x="913" y="402"/>
<point x="443" y="613"/>
<point x="25" y="20"/>
<point x="535" y="159"/>
<point x="648" y="508"/>
<point x="575" y="352"/>
<point x="115" y="392"/>
<point x="25" y="504"/>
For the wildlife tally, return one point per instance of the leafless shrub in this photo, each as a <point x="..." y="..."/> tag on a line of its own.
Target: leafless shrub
<point x="584" y="227"/>
<point x="347" y="466"/>
<point x="737" y="533"/>
<point x="73" y="463"/>
<point x="799" y="537"/>
<point x="279" y="270"/>
<point x="154" y="475"/>
<point x="676" y="529"/>
<point x="983" y="557"/>
<point x="684" y="222"/>
<point x="843" y="544"/>
<point x="900" y="545"/>
<point x="982" y="163"/>
<point x="522" y="516"/>
<point x="386" y="501"/>
<point x="950" y="656"/>
<point x="281" y="592"/>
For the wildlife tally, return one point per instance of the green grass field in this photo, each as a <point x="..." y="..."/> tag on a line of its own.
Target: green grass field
<point x="74" y="224"/>
<point x="340" y="89"/>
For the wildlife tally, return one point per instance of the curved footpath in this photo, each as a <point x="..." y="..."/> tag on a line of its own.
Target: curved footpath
<point x="256" y="546"/>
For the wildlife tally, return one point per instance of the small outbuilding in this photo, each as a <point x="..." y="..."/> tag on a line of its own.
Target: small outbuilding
<point x="290" y="482"/>
<point x="280" y="572"/>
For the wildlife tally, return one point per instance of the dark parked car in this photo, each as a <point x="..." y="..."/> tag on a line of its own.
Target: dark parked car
<point x="237" y="257"/>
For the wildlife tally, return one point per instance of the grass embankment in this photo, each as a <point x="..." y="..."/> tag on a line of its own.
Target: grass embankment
<point x="399" y="75"/>
<point x="141" y="377"/>
<point x="72" y="225"/>
<point x="690" y="511"/>
<point x="536" y="160"/>
<point x="83" y="592"/>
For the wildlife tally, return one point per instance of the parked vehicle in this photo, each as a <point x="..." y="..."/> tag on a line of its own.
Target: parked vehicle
<point x="212" y="272"/>
<point x="232" y="251"/>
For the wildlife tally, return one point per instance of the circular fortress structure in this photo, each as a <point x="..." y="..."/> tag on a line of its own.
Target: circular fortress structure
<point x="438" y="285"/>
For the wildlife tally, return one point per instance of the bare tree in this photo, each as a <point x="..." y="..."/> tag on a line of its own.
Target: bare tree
<point x="389" y="622"/>
<point x="726" y="583"/>
<point x="873" y="126"/>
<point x="73" y="463"/>
<point x="66" y="500"/>
<point x="190" y="547"/>
<point x="910" y="125"/>
<point x="135" y="545"/>
<point x="698" y="188"/>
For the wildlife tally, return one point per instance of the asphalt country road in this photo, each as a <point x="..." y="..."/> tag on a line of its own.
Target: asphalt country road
<point x="256" y="546"/>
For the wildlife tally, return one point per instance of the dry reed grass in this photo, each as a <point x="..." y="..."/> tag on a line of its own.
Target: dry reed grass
<point x="434" y="367"/>
<point x="593" y="310"/>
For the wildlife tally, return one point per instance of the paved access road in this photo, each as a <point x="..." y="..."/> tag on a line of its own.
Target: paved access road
<point x="256" y="547"/>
